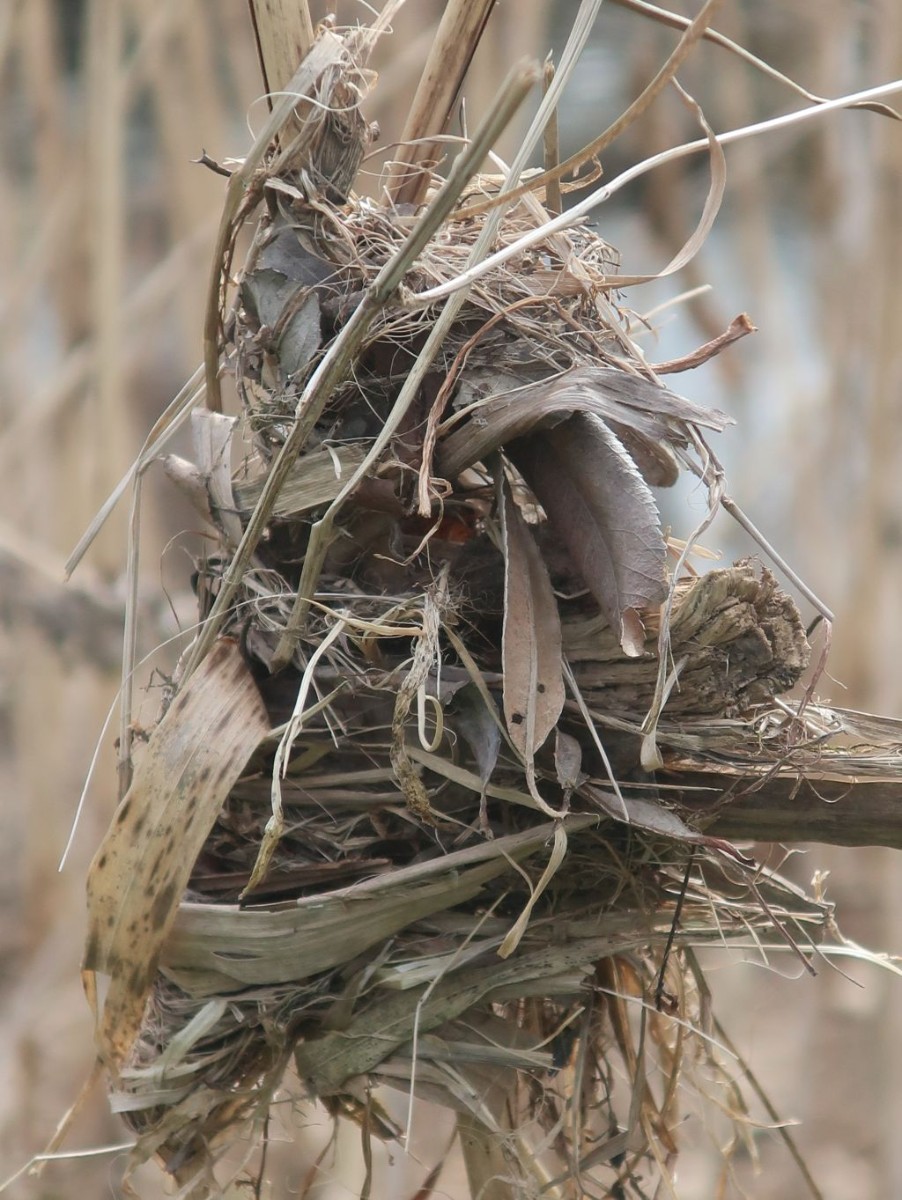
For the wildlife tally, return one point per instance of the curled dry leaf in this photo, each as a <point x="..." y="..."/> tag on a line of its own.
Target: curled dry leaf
<point x="138" y="876"/>
<point x="616" y="396"/>
<point x="601" y="508"/>
<point x="531" y="638"/>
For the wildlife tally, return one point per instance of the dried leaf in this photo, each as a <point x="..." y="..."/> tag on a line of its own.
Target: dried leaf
<point x="301" y="336"/>
<point x="478" y="727"/>
<point x="601" y="508"/>
<point x="264" y="293"/>
<point x="140" y="872"/>
<point x="212" y="437"/>
<point x="657" y="463"/>
<point x="531" y="638"/>
<point x="315" y="479"/>
<point x="613" y="395"/>
<point x="568" y="761"/>
<point x="646" y="814"/>
<point x="655" y="818"/>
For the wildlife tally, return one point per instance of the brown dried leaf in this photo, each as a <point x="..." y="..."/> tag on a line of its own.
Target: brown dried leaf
<point x="630" y="400"/>
<point x="142" y="867"/>
<point x="531" y="638"/>
<point x="601" y="508"/>
<point x="568" y="761"/>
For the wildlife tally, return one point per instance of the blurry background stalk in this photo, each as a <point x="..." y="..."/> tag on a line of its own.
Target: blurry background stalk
<point x="105" y="235"/>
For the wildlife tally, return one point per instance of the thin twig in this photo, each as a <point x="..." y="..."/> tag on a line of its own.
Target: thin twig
<point x="738" y="328"/>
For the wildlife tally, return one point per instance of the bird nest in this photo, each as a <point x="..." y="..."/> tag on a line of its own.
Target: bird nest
<point x="400" y="823"/>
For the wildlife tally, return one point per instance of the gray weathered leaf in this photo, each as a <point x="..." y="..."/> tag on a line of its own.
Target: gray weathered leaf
<point x="301" y="336"/>
<point x="280" y="294"/>
<point x="477" y="727"/>
<point x="568" y="761"/>
<point x="617" y="396"/>
<point x="657" y="463"/>
<point x="646" y="814"/>
<point x="600" y="507"/>
<point x="265" y="292"/>
<point x="531" y="638"/>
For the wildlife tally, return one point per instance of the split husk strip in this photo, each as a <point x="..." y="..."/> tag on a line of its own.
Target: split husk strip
<point x="410" y="839"/>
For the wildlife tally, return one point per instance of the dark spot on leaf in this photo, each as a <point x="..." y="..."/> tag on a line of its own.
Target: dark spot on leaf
<point x="517" y="718"/>
<point x="139" y="979"/>
<point x="91" y="953"/>
<point x="162" y="906"/>
<point x="222" y="723"/>
<point x="101" y="862"/>
<point x="540" y="688"/>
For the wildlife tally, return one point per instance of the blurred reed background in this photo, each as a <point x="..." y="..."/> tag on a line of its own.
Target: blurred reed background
<point x="106" y="228"/>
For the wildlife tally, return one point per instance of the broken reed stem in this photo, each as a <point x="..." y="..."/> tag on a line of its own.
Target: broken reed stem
<point x="338" y="359"/>
<point x="553" y="200"/>
<point x="284" y="35"/>
<point x="730" y="505"/>
<point x="458" y="35"/>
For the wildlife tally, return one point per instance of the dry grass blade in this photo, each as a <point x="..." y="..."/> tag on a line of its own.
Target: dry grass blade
<point x="140" y="871"/>
<point x="283" y="31"/>
<point x="574" y="214"/>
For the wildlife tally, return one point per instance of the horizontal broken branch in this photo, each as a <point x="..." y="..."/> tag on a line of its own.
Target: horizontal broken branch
<point x="785" y="809"/>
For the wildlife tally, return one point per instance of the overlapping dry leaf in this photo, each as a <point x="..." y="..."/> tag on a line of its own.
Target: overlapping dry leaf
<point x="600" y="507"/>
<point x="140" y="871"/>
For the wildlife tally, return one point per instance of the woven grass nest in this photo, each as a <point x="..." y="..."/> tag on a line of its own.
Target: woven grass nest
<point x="400" y="822"/>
